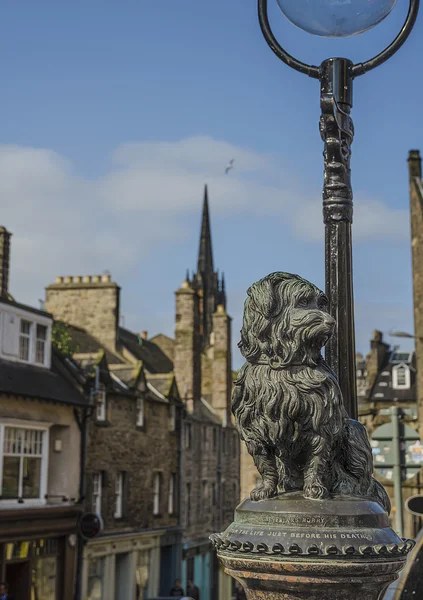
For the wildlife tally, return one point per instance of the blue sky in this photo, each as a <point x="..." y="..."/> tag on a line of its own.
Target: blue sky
<point x="115" y="114"/>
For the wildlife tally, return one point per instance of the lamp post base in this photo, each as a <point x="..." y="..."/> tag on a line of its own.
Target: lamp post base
<point x="291" y="548"/>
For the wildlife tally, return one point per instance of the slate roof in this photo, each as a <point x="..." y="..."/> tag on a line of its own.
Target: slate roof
<point x="11" y="302"/>
<point x="161" y="383"/>
<point x="383" y="390"/>
<point x="20" y="379"/>
<point x="153" y="358"/>
<point x="87" y="344"/>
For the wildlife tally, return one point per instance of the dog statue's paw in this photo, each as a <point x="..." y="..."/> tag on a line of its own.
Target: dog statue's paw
<point x="263" y="491"/>
<point x="316" y="491"/>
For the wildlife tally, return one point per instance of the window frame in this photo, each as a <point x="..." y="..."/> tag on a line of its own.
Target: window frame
<point x="32" y="426"/>
<point x="25" y="336"/>
<point x="407" y="378"/>
<point x="119" y="485"/>
<point x="42" y="341"/>
<point x="101" y="405"/>
<point x="172" y="418"/>
<point x="96" y="504"/>
<point x="157" y="493"/>
<point x="188" y="436"/>
<point x="140" y="408"/>
<point x="171" y="496"/>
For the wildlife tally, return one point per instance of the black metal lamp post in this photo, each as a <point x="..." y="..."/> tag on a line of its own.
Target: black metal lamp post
<point x="338" y="18"/>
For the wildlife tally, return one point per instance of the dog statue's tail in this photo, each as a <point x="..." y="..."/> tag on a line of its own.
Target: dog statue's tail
<point x="353" y="468"/>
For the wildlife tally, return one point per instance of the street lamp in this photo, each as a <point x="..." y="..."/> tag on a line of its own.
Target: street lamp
<point x="338" y="18"/>
<point x="296" y="539"/>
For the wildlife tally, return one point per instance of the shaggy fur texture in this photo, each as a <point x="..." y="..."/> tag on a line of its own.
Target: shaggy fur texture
<point x="287" y="401"/>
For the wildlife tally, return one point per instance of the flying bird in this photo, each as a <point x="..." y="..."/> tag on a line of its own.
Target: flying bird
<point x="229" y="166"/>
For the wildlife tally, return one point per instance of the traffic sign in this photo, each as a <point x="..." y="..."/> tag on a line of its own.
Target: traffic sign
<point x="415" y="505"/>
<point x="90" y="526"/>
<point x="411" y="451"/>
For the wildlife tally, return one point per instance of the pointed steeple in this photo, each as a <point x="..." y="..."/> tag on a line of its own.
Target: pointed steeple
<point x="205" y="254"/>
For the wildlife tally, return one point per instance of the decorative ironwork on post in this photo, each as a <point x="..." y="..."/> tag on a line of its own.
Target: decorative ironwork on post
<point x="337" y="132"/>
<point x="336" y="76"/>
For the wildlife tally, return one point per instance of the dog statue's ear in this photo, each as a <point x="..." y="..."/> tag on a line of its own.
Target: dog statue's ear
<point x="263" y="296"/>
<point x="260" y="308"/>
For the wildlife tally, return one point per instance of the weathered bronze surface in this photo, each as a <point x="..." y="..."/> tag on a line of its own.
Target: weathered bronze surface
<point x="317" y="527"/>
<point x="292" y="548"/>
<point x="287" y="402"/>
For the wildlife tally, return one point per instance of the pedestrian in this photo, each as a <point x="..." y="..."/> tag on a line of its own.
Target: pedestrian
<point x="193" y="591"/>
<point x="177" y="591"/>
<point x="4" y="592"/>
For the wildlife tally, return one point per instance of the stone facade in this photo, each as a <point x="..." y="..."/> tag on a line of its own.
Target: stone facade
<point x="118" y="445"/>
<point x="210" y="446"/>
<point x="89" y="302"/>
<point x="187" y="352"/>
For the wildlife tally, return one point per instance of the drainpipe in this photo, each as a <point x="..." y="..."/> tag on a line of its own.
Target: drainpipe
<point x="80" y="547"/>
<point x="83" y="428"/>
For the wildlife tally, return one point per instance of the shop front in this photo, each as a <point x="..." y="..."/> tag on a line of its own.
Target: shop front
<point x="122" y="567"/>
<point x="38" y="552"/>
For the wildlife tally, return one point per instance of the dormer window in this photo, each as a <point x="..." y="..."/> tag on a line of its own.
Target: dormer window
<point x="24" y="336"/>
<point x="401" y="377"/>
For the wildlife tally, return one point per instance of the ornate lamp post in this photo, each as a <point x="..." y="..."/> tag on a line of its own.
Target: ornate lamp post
<point x="317" y="527"/>
<point x="338" y="18"/>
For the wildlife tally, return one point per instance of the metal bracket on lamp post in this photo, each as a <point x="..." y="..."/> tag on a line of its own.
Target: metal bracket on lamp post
<point x="336" y="127"/>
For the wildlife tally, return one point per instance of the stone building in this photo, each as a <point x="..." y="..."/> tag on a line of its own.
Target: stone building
<point x="387" y="377"/>
<point x="42" y="404"/>
<point x="196" y="462"/>
<point x="133" y="449"/>
<point x="202" y="359"/>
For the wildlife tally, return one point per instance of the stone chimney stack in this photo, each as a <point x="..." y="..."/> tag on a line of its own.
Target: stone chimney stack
<point x="221" y="365"/>
<point x="376" y="357"/>
<point x="90" y="302"/>
<point x="4" y="261"/>
<point x="187" y="360"/>
<point x="416" y="217"/>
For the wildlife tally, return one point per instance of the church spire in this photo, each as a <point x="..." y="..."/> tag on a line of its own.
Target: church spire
<point x="205" y="254"/>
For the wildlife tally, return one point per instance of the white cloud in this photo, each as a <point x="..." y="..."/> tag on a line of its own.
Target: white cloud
<point x="67" y="224"/>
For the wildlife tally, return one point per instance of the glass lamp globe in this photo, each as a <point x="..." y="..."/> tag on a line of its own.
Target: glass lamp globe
<point x="336" y="18"/>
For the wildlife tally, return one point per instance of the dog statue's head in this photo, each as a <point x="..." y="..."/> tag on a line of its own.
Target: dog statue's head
<point x="285" y="322"/>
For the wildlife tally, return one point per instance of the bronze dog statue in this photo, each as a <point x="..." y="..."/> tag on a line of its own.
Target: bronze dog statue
<point x="287" y="401"/>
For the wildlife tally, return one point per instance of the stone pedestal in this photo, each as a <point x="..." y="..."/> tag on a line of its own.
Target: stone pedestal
<point x="291" y="548"/>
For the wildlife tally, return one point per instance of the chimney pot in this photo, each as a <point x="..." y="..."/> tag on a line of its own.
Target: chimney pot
<point x="96" y="278"/>
<point x="67" y="279"/>
<point x="59" y="279"/>
<point x="144" y="335"/>
<point x="86" y="279"/>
